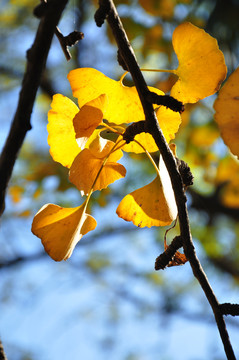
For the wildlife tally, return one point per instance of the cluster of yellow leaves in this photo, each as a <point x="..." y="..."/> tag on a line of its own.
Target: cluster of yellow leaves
<point x="104" y="104"/>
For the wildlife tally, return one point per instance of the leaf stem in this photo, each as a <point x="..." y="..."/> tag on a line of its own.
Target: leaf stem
<point x="149" y="156"/>
<point x="114" y="148"/>
<point x="150" y="70"/>
<point x="160" y="70"/>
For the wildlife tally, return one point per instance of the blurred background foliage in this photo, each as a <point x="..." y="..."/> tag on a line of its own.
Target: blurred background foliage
<point x="107" y="301"/>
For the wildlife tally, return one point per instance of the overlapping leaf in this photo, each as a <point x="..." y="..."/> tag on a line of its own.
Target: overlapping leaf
<point x="88" y="118"/>
<point x="61" y="134"/>
<point x="151" y="205"/>
<point x="60" y="229"/>
<point x="201" y="68"/>
<point x="227" y="112"/>
<point x="124" y="104"/>
<point x="94" y="169"/>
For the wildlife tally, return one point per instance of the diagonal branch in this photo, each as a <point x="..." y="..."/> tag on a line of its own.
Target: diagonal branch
<point x="108" y="11"/>
<point x="2" y="353"/>
<point x="36" y="60"/>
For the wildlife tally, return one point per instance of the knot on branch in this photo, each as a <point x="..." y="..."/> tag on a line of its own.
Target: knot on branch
<point x="134" y="129"/>
<point x="41" y="9"/>
<point x="121" y="61"/>
<point x="166" y="100"/>
<point x="229" y="309"/>
<point x="102" y="13"/>
<point x="73" y="38"/>
<point x="68" y="40"/>
<point x="171" y="257"/>
<point x="185" y="172"/>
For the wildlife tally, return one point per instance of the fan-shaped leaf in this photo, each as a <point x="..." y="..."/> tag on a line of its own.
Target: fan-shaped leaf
<point x="151" y="205"/>
<point x="88" y="118"/>
<point x="201" y="68"/>
<point x="60" y="229"/>
<point x="84" y="172"/>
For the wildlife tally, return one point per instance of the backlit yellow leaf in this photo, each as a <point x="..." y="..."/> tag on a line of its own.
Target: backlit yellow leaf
<point x="84" y="172"/>
<point x="88" y="118"/>
<point x="144" y="139"/>
<point x="151" y="205"/>
<point x="61" y="134"/>
<point x="227" y="112"/>
<point x="124" y="104"/>
<point x="169" y="122"/>
<point x="60" y="229"/>
<point x="201" y="68"/>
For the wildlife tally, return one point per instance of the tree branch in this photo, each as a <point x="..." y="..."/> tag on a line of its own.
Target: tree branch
<point x="107" y="10"/>
<point x="2" y="353"/>
<point x="36" y="60"/>
<point x="230" y="309"/>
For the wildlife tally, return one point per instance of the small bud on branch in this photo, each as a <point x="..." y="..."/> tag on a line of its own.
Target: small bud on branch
<point x="101" y="14"/>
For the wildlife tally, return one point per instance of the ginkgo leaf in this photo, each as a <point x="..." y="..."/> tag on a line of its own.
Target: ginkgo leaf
<point x="61" y="134"/>
<point x="201" y="68"/>
<point x="88" y="118"/>
<point x="60" y="229"/>
<point x="84" y="172"/>
<point x="151" y="205"/>
<point x="169" y="122"/>
<point x="124" y="104"/>
<point x="145" y="139"/>
<point x="227" y="112"/>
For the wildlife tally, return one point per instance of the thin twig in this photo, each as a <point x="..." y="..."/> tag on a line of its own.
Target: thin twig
<point x="68" y="40"/>
<point x="129" y="59"/>
<point x="36" y="60"/>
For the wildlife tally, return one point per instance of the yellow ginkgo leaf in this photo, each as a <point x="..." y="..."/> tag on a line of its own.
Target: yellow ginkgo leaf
<point x="227" y="112"/>
<point x="124" y="105"/>
<point x="201" y="68"/>
<point x="145" y="139"/>
<point x="151" y="205"/>
<point x="88" y="118"/>
<point x="169" y="122"/>
<point x="61" y="134"/>
<point x="93" y="170"/>
<point x="60" y="229"/>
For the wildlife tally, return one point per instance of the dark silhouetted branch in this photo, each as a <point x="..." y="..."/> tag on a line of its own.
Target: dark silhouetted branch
<point x="36" y="60"/>
<point x="2" y="353"/>
<point x="108" y="11"/>
<point x="230" y="309"/>
<point x="171" y="257"/>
